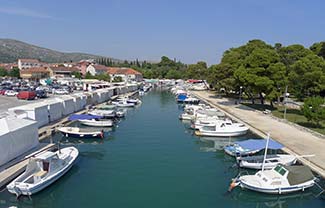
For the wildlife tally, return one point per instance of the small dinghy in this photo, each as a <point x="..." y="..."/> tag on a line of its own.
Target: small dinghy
<point x="256" y="161"/>
<point x="80" y="132"/>
<point x="43" y="170"/>
<point x="279" y="180"/>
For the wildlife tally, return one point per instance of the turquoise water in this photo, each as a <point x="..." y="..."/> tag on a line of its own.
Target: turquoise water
<point x="151" y="159"/>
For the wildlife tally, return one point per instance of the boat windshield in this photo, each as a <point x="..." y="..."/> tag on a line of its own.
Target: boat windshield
<point x="281" y="170"/>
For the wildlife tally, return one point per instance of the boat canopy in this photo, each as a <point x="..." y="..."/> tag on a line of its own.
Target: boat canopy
<point x="181" y="97"/>
<point x="299" y="174"/>
<point x="83" y="116"/>
<point x="259" y="144"/>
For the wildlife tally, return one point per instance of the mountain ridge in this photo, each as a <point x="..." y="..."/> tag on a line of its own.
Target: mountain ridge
<point x="11" y="50"/>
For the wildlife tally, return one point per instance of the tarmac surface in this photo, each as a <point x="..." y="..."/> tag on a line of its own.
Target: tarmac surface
<point x="297" y="141"/>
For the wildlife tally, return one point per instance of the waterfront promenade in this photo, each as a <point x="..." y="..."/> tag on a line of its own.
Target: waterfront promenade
<point x="296" y="141"/>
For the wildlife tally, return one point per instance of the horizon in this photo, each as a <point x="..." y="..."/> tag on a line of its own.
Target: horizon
<point x="187" y="31"/>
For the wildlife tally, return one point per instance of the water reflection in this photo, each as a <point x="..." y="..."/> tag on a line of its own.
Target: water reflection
<point x="274" y="201"/>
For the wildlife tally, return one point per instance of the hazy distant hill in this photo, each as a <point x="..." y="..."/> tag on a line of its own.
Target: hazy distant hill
<point x="11" y="50"/>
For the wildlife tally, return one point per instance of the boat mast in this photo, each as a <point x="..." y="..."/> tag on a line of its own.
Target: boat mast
<point x="265" y="153"/>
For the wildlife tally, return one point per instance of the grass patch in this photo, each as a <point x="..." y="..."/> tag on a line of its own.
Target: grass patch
<point x="293" y="115"/>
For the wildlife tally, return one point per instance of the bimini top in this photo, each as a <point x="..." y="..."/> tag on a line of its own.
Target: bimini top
<point x="74" y="117"/>
<point x="259" y="144"/>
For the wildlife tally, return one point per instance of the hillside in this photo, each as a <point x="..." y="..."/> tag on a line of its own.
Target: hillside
<point x="11" y="50"/>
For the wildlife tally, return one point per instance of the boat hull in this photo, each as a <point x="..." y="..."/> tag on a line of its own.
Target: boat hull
<point x="280" y="190"/>
<point x="220" y="133"/>
<point x="108" y="123"/>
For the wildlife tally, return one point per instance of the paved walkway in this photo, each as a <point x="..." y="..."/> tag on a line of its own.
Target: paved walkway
<point x="295" y="140"/>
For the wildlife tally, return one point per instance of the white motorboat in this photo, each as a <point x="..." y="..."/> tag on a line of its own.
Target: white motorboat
<point x="223" y="129"/>
<point x="190" y="112"/>
<point x="123" y="104"/>
<point x="129" y="100"/>
<point x="97" y="122"/>
<point x="279" y="180"/>
<point x="208" y="121"/>
<point x="103" y="113"/>
<point x="43" y="170"/>
<point x="256" y="161"/>
<point x="80" y="132"/>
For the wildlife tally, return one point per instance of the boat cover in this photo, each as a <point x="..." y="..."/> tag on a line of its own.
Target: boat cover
<point x="299" y="174"/>
<point x="83" y="116"/>
<point x="259" y="144"/>
<point x="181" y="97"/>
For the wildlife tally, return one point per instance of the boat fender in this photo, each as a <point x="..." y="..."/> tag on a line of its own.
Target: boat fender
<point x="232" y="185"/>
<point x="280" y="191"/>
<point x="66" y="135"/>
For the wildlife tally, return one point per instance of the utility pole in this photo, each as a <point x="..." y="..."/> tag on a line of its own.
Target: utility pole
<point x="285" y="103"/>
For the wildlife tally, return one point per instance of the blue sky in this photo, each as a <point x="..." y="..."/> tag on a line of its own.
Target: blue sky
<point x="148" y="29"/>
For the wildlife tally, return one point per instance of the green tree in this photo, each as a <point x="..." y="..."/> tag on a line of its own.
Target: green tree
<point x="3" y="72"/>
<point x="89" y="76"/>
<point x="118" y="79"/>
<point x="14" y="72"/>
<point x="104" y="77"/>
<point x="314" y="110"/>
<point x="76" y="74"/>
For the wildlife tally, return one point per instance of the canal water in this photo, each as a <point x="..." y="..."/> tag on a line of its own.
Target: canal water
<point x="151" y="159"/>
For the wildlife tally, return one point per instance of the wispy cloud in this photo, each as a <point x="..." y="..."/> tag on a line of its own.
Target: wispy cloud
<point x="24" y="12"/>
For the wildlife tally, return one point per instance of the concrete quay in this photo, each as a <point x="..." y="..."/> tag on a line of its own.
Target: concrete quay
<point x="295" y="140"/>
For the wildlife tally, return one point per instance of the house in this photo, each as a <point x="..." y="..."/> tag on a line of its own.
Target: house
<point x="127" y="74"/>
<point x="95" y="69"/>
<point x="62" y="71"/>
<point x="36" y="73"/>
<point x="28" y="63"/>
<point x="82" y="66"/>
<point x="8" y="66"/>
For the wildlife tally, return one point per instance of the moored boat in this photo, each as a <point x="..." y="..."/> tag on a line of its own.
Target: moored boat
<point x="256" y="161"/>
<point x="222" y="129"/>
<point x="43" y="170"/>
<point x="80" y="132"/>
<point x="250" y="147"/>
<point x="97" y="122"/>
<point x="279" y="180"/>
<point x="103" y="113"/>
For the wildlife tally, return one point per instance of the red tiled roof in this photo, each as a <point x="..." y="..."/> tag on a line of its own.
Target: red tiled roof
<point x="100" y="67"/>
<point x="127" y="71"/>
<point x="8" y="66"/>
<point x="29" y="60"/>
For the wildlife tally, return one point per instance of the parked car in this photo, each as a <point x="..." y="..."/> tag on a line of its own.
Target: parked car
<point x="26" y="95"/>
<point x="41" y="94"/>
<point x="11" y="93"/>
<point x="61" y="92"/>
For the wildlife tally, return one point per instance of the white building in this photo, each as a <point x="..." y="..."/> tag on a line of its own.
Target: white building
<point x="28" y="63"/>
<point x="95" y="69"/>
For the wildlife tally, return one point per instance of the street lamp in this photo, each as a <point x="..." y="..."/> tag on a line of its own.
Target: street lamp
<point x="240" y="89"/>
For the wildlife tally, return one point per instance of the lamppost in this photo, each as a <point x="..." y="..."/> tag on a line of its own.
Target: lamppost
<point x="240" y="89"/>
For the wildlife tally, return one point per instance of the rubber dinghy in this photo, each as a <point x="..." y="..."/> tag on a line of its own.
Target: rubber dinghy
<point x="43" y="170"/>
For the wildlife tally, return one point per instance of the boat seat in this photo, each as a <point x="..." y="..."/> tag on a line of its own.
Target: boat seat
<point x="40" y="173"/>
